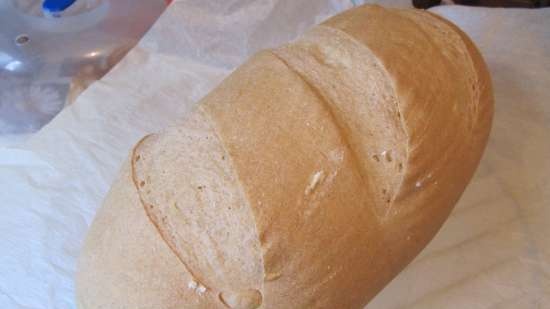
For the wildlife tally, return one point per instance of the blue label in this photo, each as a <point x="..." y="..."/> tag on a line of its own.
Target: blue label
<point x="56" y="5"/>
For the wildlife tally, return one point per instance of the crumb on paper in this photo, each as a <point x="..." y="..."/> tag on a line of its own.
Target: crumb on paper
<point x="192" y="284"/>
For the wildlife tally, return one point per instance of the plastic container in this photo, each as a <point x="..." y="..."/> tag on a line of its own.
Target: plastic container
<point x="51" y="50"/>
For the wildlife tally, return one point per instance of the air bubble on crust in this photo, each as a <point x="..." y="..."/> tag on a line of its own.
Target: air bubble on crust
<point x="387" y="155"/>
<point x="197" y="287"/>
<point x="272" y="276"/>
<point x="247" y="299"/>
<point x="314" y="182"/>
<point x="201" y="289"/>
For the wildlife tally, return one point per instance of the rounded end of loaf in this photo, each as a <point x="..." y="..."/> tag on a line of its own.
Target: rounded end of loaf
<point x="483" y="87"/>
<point x="125" y="264"/>
<point x="444" y="96"/>
<point x="151" y="246"/>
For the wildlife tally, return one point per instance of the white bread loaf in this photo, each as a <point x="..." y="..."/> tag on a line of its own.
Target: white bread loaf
<point x="308" y="179"/>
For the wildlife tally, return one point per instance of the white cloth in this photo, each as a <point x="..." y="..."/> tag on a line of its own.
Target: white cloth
<point x="492" y="253"/>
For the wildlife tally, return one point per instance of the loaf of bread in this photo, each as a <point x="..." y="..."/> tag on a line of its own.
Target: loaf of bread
<point x="308" y="179"/>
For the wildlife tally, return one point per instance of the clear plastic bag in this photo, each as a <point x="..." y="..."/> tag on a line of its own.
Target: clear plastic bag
<point x="47" y="58"/>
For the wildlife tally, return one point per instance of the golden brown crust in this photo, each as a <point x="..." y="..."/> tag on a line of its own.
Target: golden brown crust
<point x="447" y="121"/>
<point x="303" y="186"/>
<point x="364" y="106"/>
<point x="346" y="151"/>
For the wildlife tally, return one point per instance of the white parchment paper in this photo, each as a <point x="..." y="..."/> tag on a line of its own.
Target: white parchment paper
<point x="494" y="251"/>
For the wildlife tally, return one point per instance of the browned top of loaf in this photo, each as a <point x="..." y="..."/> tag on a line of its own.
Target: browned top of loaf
<point x="340" y="154"/>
